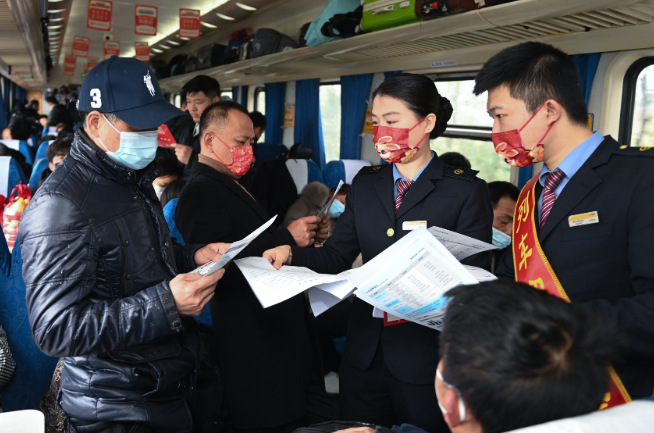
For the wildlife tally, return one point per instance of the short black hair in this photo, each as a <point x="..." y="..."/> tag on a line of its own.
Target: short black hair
<point x="60" y="146"/>
<point x="111" y="117"/>
<point x="420" y="95"/>
<point x="168" y="167"/>
<point x="300" y="151"/>
<point x="172" y="191"/>
<point x="535" y="72"/>
<point x="202" y="83"/>
<point x="455" y="159"/>
<point x="51" y="100"/>
<point x="20" y="128"/>
<point x="520" y="356"/>
<point x="499" y="189"/>
<point x="218" y="113"/>
<point x="345" y="189"/>
<point x="43" y="116"/>
<point x="258" y="120"/>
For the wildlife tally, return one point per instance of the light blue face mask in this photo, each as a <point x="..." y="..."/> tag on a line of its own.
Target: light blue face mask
<point x="336" y="209"/>
<point x="500" y="239"/>
<point x="137" y="149"/>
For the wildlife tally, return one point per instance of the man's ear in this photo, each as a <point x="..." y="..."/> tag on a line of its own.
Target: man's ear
<point x="450" y="402"/>
<point x="554" y="111"/>
<point x="51" y="166"/>
<point x="215" y="99"/>
<point x="92" y="124"/>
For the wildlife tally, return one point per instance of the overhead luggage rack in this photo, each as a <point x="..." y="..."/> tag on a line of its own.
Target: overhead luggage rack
<point x="457" y="42"/>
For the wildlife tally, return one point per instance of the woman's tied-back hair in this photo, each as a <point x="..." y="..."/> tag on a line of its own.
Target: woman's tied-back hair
<point x="535" y="72"/>
<point x="420" y="95"/>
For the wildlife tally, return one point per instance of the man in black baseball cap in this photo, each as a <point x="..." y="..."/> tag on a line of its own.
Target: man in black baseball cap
<point x="103" y="289"/>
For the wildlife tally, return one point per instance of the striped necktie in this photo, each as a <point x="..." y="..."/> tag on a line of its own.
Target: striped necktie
<point x="549" y="195"/>
<point x="403" y="187"/>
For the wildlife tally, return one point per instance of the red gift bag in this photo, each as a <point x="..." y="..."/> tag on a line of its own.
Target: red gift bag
<point x="13" y="209"/>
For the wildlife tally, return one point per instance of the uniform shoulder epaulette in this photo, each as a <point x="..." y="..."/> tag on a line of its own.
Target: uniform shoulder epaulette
<point x="460" y="173"/>
<point x="633" y="151"/>
<point x="374" y="168"/>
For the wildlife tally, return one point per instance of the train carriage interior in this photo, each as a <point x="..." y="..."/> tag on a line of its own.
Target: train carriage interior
<point x="310" y="70"/>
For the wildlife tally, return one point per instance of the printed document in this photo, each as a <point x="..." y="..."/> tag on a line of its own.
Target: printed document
<point x="325" y="208"/>
<point x="461" y="246"/>
<point x="233" y="251"/>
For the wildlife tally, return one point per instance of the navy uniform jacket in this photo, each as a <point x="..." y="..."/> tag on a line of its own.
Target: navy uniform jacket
<point x="608" y="266"/>
<point x="447" y="197"/>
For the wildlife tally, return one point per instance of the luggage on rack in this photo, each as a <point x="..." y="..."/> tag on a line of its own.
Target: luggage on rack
<point x="343" y="25"/>
<point x="190" y="65"/>
<point x="429" y="9"/>
<point x="269" y="41"/>
<point x="245" y="50"/>
<point x="387" y="14"/>
<point x="210" y="56"/>
<point x="313" y="35"/>
<point x="302" y="39"/>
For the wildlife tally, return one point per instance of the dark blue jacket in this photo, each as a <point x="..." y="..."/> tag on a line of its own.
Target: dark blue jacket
<point x="97" y="259"/>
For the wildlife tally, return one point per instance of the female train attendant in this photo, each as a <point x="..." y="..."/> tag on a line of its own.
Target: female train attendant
<point x="388" y="371"/>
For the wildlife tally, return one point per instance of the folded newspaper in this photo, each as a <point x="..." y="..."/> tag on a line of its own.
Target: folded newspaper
<point x="407" y="280"/>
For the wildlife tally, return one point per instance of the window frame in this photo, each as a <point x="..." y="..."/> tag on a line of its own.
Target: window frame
<point x="629" y="98"/>
<point x="330" y="82"/>
<point x="257" y="91"/>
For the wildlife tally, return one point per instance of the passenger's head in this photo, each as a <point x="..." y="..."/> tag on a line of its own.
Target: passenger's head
<point x="172" y="191"/>
<point x="225" y="125"/>
<point x="168" y="171"/>
<point x="34" y="105"/>
<point x="523" y="78"/>
<point x="409" y="101"/>
<point x="455" y="159"/>
<point x="43" y="120"/>
<point x="504" y="196"/>
<point x="20" y="128"/>
<point x="259" y="123"/>
<point x="300" y="151"/>
<point x="51" y="101"/>
<point x="513" y="356"/>
<point x="122" y="95"/>
<point x="338" y="206"/>
<point x="201" y="91"/>
<point x="57" y="151"/>
<point x="6" y="134"/>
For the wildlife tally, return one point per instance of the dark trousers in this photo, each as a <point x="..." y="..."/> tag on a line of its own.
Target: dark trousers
<point x="129" y="427"/>
<point x="375" y="396"/>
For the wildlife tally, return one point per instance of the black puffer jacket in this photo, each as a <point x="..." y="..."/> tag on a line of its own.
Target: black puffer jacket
<point x="97" y="259"/>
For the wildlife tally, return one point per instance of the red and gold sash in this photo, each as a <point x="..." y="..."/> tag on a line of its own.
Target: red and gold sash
<point x="532" y="267"/>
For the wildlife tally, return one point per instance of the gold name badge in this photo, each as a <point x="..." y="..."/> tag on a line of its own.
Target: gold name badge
<point x="412" y="225"/>
<point x="583" y="219"/>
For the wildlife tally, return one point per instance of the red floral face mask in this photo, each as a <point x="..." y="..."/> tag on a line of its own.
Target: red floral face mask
<point x="392" y="144"/>
<point x="242" y="157"/>
<point x="510" y="148"/>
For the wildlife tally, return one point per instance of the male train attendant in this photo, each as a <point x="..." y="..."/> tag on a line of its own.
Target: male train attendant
<point x="583" y="227"/>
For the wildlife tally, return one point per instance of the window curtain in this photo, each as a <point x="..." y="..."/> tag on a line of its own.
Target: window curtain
<point x="355" y="90"/>
<point x="587" y="65"/>
<point x="275" y="100"/>
<point x="240" y="95"/>
<point x="7" y="99"/>
<point x="308" y="123"/>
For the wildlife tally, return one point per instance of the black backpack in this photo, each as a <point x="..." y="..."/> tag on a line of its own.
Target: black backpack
<point x="269" y="41"/>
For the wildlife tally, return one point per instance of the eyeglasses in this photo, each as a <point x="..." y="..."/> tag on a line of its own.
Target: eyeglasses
<point x="462" y="406"/>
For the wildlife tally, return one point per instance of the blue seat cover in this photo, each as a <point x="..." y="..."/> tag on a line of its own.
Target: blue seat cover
<point x="39" y="166"/>
<point x="266" y="152"/>
<point x="41" y="152"/>
<point x="333" y="173"/>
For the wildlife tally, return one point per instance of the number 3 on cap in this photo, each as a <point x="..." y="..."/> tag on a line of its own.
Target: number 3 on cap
<point x="96" y="102"/>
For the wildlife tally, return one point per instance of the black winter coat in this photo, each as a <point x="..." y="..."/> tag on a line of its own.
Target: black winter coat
<point x="97" y="260"/>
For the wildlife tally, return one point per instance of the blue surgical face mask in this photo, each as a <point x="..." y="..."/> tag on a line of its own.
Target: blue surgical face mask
<point x="500" y="239"/>
<point x="137" y="149"/>
<point x="336" y="209"/>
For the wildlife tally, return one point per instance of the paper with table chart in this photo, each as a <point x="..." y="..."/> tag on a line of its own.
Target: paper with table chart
<point x="233" y="251"/>
<point x="407" y="280"/>
<point x="461" y="246"/>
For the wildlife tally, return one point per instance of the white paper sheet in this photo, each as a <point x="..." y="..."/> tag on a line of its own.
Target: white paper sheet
<point x="408" y="279"/>
<point x="480" y="274"/>
<point x="233" y="251"/>
<point x="461" y="246"/>
<point x="272" y="286"/>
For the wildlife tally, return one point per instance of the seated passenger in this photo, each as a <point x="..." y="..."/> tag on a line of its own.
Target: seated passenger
<point x="20" y="128"/>
<point x="338" y="206"/>
<point x="6" y="134"/>
<point x="56" y="153"/>
<point x="504" y="196"/>
<point x="172" y="191"/>
<point x="43" y="120"/>
<point x="455" y="159"/>
<point x="58" y="112"/>
<point x="259" y="123"/>
<point x="268" y="358"/>
<point x="313" y="198"/>
<point x="513" y="356"/>
<point x="168" y="172"/>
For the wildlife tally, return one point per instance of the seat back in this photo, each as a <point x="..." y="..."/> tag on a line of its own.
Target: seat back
<point x="39" y="166"/>
<point x="33" y="368"/>
<point x="20" y="146"/>
<point x="22" y="421"/>
<point x="303" y="171"/>
<point x="266" y="152"/>
<point x="41" y="152"/>
<point x="10" y="175"/>
<point x="50" y="130"/>
<point x="169" y="214"/>
<point x="344" y="170"/>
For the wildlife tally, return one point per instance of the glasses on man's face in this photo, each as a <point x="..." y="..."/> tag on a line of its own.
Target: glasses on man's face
<point x="462" y="406"/>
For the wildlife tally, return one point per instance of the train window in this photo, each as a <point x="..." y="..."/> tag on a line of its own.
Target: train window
<point x="330" y="112"/>
<point x="637" y="114"/>
<point x="260" y="106"/>
<point x="469" y="131"/>
<point x="227" y="95"/>
<point x="178" y="100"/>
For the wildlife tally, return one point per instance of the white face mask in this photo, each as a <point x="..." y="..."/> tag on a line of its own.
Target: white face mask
<point x="462" y="406"/>
<point x="158" y="190"/>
